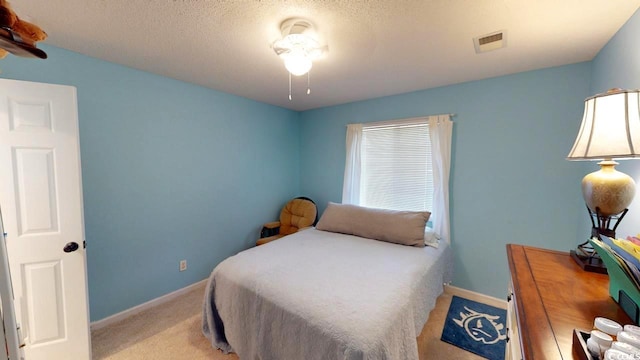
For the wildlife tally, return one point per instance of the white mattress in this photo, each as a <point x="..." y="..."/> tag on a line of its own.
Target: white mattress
<point x="323" y="295"/>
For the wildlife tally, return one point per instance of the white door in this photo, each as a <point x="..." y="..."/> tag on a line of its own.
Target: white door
<point x="41" y="199"/>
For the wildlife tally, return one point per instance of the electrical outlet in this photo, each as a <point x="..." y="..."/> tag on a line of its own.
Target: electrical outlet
<point x="183" y="265"/>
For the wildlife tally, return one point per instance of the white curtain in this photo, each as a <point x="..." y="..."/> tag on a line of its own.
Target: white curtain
<point x="351" y="185"/>
<point x="440" y="131"/>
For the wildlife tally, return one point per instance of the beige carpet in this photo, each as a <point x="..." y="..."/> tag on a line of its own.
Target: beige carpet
<point x="172" y="331"/>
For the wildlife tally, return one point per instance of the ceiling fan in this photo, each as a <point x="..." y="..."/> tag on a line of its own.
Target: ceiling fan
<point x="298" y="48"/>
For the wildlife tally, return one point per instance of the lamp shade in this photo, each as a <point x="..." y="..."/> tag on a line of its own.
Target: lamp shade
<point x="610" y="127"/>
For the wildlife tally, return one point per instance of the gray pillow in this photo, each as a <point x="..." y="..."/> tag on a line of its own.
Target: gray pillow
<point x="400" y="227"/>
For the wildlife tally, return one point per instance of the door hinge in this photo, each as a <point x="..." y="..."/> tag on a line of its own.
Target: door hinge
<point x="21" y="342"/>
<point x="84" y="244"/>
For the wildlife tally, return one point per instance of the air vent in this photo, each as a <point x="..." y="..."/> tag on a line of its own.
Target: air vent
<point x="488" y="42"/>
<point x="489" y="39"/>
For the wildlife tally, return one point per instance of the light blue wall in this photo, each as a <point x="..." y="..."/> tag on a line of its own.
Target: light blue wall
<point x="510" y="182"/>
<point x="170" y="171"/>
<point x="618" y="66"/>
<point x="174" y="171"/>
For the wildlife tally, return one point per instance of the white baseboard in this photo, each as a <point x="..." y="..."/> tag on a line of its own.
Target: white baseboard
<point x="149" y="304"/>
<point x="472" y="295"/>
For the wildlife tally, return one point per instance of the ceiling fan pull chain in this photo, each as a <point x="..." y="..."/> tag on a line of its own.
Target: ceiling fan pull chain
<point x="289" y="86"/>
<point x="309" y="82"/>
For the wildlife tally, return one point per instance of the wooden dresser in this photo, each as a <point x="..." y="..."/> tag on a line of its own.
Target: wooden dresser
<point x="551" y="296"/>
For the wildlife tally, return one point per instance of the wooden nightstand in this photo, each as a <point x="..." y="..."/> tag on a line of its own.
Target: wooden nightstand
<point x="551" y="296"/>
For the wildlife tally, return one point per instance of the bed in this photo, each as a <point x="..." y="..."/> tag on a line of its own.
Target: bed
<point x="324" y="295"/>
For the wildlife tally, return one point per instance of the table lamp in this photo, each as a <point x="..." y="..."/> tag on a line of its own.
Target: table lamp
<point x="610" y="130"/>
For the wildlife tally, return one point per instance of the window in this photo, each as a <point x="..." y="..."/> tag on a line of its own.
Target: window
<point x="396" y="169"/>
<point x="401" y="165"/>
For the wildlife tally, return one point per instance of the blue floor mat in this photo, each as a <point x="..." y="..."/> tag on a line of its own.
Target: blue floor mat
<point x="476" y="327"/>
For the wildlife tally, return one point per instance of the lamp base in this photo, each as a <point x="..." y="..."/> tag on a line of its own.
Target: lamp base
<point x="601" y="224"/>
<point x="585" y="255"/>
<point x="589" y="263"/>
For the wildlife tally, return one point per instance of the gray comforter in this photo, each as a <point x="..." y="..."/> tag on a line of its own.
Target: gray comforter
<point x="322" y="295"/>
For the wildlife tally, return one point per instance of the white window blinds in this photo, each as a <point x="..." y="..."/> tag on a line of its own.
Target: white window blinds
<point x="396" y="166"/>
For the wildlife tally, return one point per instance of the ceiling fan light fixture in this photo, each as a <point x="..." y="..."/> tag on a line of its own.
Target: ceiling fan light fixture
<point x="297" y="47"/>
<point x="296" y="41"/>
<point x="297" y="64"/>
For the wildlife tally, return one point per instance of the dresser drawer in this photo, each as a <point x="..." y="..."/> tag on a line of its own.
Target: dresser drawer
<point x="513" y="350"/>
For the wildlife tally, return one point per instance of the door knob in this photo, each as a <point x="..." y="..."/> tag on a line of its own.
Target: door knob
<point x="71" y="247"/>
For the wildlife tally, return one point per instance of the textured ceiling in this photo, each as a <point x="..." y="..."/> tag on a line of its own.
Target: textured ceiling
<point x="376" y="48"/>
